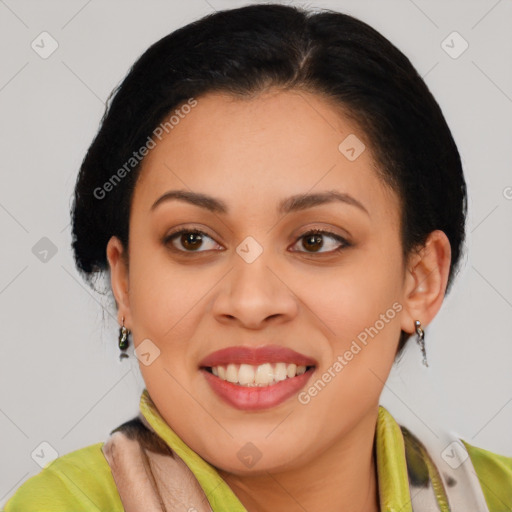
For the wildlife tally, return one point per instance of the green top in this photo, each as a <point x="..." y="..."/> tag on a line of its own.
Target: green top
<point x="82" y="480"/>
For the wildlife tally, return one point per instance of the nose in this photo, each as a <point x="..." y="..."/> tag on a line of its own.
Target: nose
<point x="254" y="295"/>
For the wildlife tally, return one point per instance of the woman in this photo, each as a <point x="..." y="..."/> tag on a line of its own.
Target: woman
<point x="280" y="206"/>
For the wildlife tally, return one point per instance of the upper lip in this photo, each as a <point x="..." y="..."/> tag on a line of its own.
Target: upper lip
<point x="256" y="356"/>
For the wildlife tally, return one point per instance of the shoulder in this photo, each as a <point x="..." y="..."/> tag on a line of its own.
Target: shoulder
<point x="495" y="475"/>
<point x="80" y="481"/>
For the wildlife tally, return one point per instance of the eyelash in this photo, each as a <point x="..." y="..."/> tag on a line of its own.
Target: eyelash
<point x="344" y="243"/>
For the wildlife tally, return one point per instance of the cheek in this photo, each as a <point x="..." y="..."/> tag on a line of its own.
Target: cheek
<point x="360" y="304"/>
<point x="163" y="296"/>
<point x="353" y="297"/>
<point x="361" y="308"/>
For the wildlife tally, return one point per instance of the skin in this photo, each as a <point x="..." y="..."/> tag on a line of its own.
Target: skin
<point x="252" y="153"/>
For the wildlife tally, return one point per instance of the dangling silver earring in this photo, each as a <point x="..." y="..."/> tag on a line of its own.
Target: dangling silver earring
<point x="420" y="333"/>
<point x="123" y="341"/>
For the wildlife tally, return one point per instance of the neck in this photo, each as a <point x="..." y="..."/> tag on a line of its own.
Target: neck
<point x="343" y="477"/>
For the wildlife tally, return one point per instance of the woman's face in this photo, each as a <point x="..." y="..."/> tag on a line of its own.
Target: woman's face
<point x="254" y="280"/>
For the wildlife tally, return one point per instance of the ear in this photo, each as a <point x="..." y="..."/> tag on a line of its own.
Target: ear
<point x="119" y="278"/>
<point x="426" y="280"/>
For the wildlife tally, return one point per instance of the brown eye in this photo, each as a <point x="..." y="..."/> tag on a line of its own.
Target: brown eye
<point x="313" y="241"/>
<point x="191" y="241"/>
<point x="188" y="240"/>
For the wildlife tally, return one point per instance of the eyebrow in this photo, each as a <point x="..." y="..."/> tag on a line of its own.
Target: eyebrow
<point x="291" y="204"/>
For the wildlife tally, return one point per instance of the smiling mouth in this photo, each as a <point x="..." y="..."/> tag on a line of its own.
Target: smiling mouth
<point x="263" y="375"/>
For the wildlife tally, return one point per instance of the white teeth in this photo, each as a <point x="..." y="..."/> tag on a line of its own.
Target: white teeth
<point x="245" y="374"/>
<point x="232" y="373"/>
<point x="263" y="375"/>
<point x="291" y="370"/>
<point x="280" y="371"/>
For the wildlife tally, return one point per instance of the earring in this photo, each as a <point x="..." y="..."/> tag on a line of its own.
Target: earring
<point x="123" y="340"/>
<point x="420" y="333"/>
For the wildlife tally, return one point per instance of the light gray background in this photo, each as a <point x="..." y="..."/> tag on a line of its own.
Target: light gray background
<point x="60" y="377"/>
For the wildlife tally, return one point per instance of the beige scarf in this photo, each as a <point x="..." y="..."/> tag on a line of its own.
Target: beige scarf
<point x="149" y="476"/>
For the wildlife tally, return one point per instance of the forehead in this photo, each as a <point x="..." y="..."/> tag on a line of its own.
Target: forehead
<point x="277" y="143"/>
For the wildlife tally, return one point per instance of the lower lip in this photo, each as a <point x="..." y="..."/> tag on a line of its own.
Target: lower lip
<point x="256" y="397"/>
